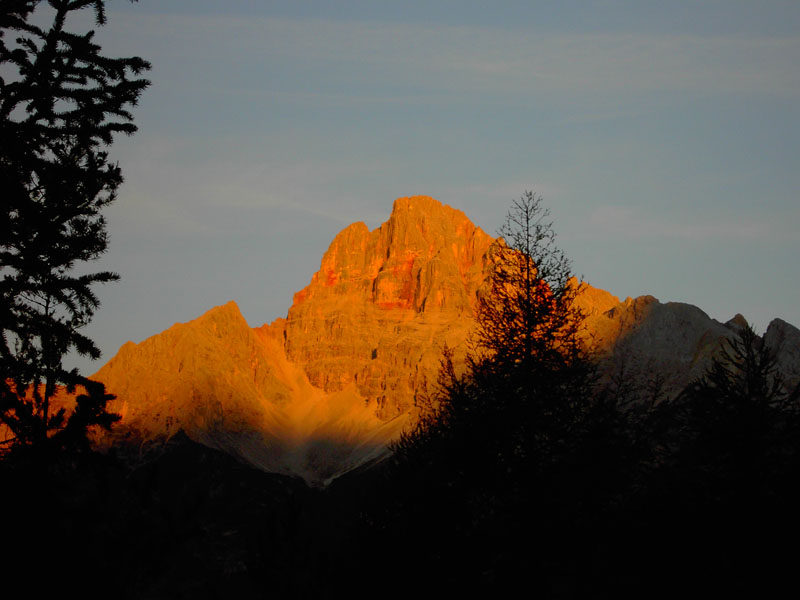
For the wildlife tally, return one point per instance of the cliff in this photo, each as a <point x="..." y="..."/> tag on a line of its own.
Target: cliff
<point x="384" y="303"/>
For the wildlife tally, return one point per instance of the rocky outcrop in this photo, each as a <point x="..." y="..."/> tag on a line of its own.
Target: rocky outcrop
<point x="654" y="345"/>
<point x="784" y="339"/>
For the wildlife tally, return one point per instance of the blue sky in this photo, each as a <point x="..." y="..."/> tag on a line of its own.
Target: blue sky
<point x="663" y="136"/>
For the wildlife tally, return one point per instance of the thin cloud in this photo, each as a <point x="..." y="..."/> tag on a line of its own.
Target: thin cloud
<point x="485" y="60"/>
<point x="628" y="223"/>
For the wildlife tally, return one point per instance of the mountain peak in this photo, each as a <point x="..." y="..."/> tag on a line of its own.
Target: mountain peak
<point x="327" y="388"/>
<point x="230" y="308"/>
<point x="424" y="206"/>
<point x="416" y="276"/>
<point x="737" y="322"/>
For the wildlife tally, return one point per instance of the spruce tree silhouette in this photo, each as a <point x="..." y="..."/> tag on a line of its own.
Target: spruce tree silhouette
<point x="488" y="467"/>
<point x="722" y="497"/>
<point x="60" y="108"/>
<point x="733" y="424"/>
<point x="62" y="102"/>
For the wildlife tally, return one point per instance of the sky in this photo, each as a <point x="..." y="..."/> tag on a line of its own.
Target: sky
<point x="664" y="137"/>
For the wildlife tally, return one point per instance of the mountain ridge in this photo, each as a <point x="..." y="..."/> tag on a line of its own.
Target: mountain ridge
<point x="329" y="387"/>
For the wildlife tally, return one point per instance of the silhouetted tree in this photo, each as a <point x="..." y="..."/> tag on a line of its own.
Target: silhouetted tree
<point x="527" y="317"/>
<point x="722" y="492"/>
<point x="731" y="423"/>
<point x="491" y="463"/>
<point x="528" y="373"/>
<point x="61" y="104"/>
<point x="528" y="347"/>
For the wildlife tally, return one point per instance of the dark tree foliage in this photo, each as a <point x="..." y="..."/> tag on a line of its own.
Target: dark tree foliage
<point x="62" y="102"/>
<point x="744" y="378"/>
<point x="526" y="471"/>
<point x="527" y="350"/>
<point x="735" y="424"/>
<point x="494" y="460"/>
<point x="721" y="488"/>
<point x="527" y="318"/>
<point x="527" y="368"/>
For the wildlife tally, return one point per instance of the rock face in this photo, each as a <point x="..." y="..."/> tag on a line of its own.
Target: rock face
<point x="384" y="302"/>
<point x="784" y="338"/>
<point x="231" y="387"/>
<point x="191" y="376"/>
<point x="653" y="344"/>
<point x="326" y="389"/>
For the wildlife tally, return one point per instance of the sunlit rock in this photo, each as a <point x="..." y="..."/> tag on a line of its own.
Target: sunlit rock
<point x="231" y="387"/>
<point x="328" y="388"/>
<point x="384" y="303"/>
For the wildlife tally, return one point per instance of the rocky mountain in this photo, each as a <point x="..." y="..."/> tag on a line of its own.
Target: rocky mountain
<point x="326" y="389"/>
<point x="231" y="387"/>
<point x="384" y="303"/>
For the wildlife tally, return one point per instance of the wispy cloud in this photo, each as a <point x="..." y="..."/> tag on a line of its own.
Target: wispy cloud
<point x="486" y="60"/>
<point x="176" y="187"/>
<point x="624" y="222"/>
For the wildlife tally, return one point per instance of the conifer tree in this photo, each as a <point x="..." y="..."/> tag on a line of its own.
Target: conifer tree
<point x="528" y="323"/>
<point x="62" y="102"/>
<point x="528" y="315"/>
<point x="734" y="420"/>
<point x="528" y="372"/>
<point x="492" y="459"/>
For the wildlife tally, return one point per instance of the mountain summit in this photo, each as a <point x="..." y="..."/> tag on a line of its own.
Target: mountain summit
<point x="384" y="302"/>
<point x="328" y="388"/>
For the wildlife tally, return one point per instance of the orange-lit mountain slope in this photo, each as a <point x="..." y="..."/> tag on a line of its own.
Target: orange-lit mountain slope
<point x="231" y="387"/>
<point x="327" y="388"/>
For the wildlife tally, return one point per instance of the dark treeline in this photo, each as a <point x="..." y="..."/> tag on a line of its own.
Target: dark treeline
<point x="530" y="472"/>
<point x="526" y="473"/>
<point x="697" y="495"/>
